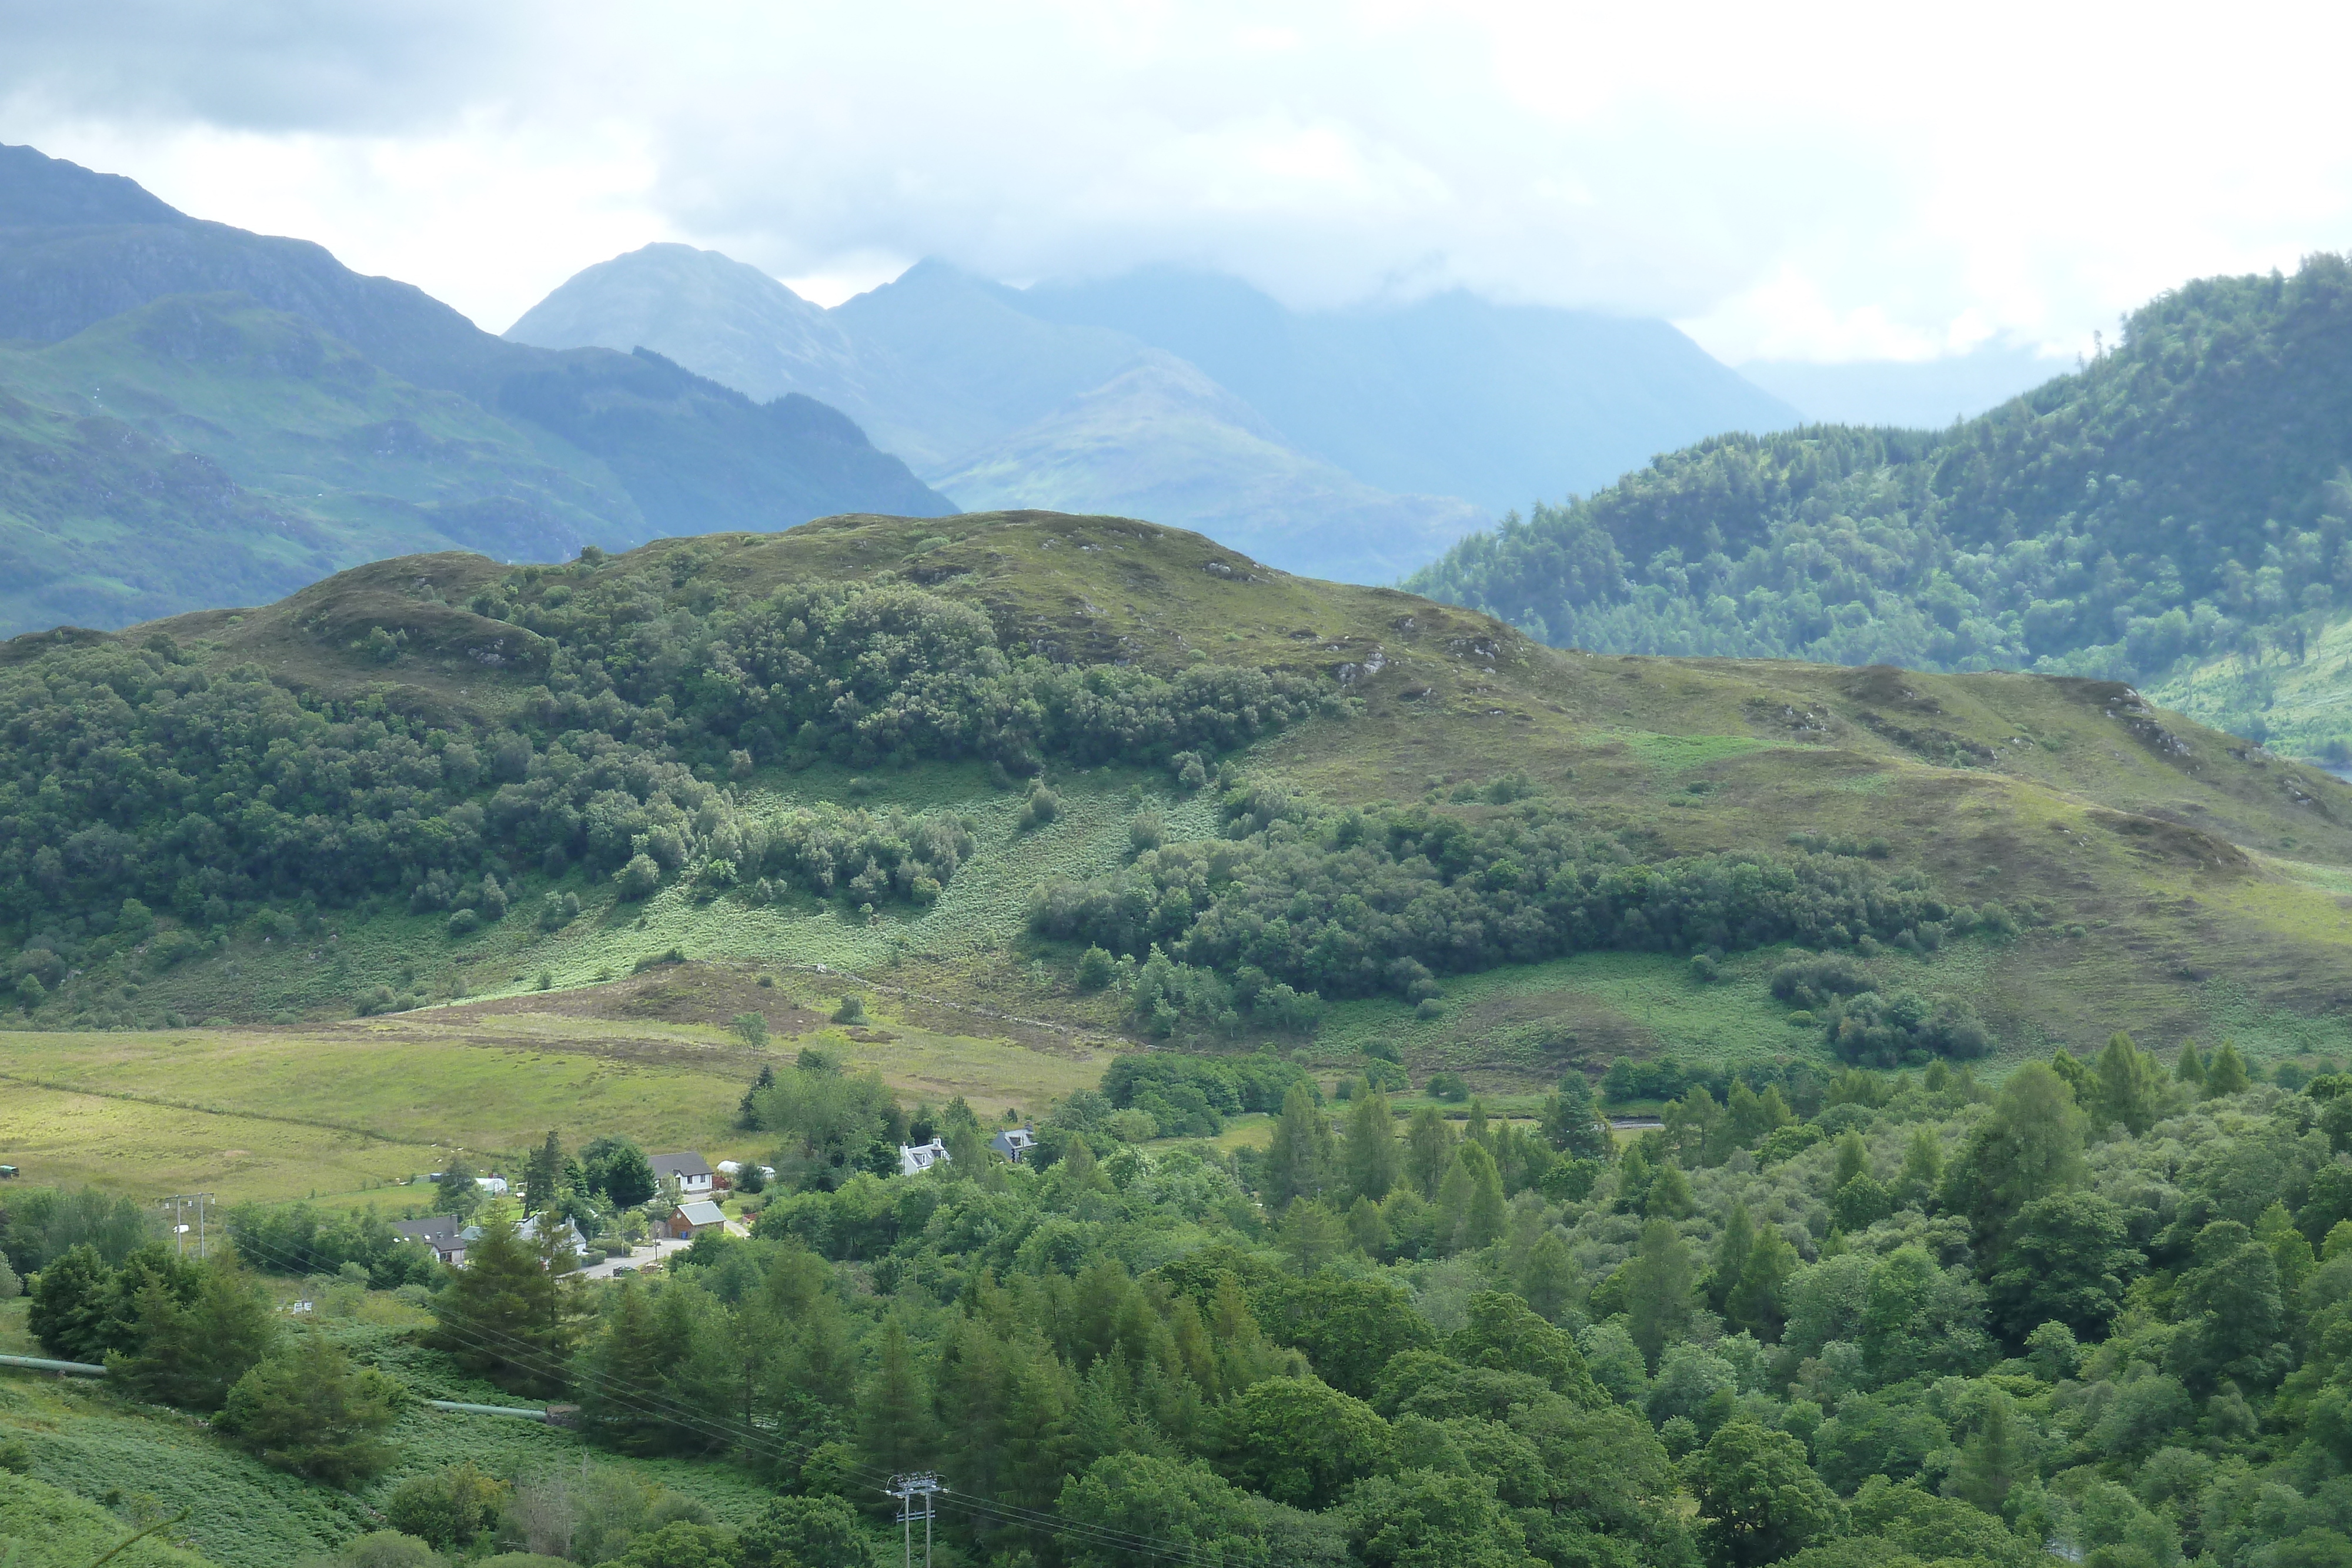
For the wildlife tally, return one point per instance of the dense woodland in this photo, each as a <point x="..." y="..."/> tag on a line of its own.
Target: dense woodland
<point x="138" y="785"/>
<point x="1295" y="904"/>
<point x="2182" y="495"/>
<point x="2101" y="1310"/>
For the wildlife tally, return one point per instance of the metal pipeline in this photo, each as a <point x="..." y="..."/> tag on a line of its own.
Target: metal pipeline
<point x="68" y="1368"/>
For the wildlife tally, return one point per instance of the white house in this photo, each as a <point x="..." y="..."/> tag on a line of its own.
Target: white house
<point x="1013" y="1141"/>
<point x="914" y="1159"/>
<point x="690" y="1170"/>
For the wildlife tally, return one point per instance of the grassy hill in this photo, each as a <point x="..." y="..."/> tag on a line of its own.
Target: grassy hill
<point x="2160" y="877"/>
<point x="2178" y="505"/>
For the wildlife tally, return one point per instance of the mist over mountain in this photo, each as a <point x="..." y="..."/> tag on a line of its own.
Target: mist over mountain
<point x="222" y="416"/>
<point x="1927" y="394"/>
<point x="1348" y="444"/>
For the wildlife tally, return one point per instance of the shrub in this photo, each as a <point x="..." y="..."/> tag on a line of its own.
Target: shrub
<point x="1449" y="1086"/>
<point x="639" y="879"/>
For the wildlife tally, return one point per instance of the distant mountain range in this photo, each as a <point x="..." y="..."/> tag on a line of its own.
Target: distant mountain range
<point x="193" y="416"/>
<point x="1350" y="445"/>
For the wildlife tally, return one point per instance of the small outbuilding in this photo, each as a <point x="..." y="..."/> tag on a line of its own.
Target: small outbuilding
<point x="694" y="1219"/>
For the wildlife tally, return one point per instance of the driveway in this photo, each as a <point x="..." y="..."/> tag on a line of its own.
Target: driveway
<point x="645" y="1252"/>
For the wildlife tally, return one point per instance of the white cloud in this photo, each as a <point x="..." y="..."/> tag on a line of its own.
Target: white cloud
<point x="1831" y="181"/>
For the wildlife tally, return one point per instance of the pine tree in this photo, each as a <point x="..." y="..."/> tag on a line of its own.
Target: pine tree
<point x="1922" y="1168"/>
<point x="747" y="1113"/>
<point x="1570" y="1123"/>
<point x="1428" y="1151"/>
<point x="1669" y="1196"/>
<point x="1756" y="1303"/>
<point x="1312" y="1236"/>
<point x="542" y="1174"/>
<point x="2127" y="1086"/>
<point x="1992" y="1459"/>
<point x="2226" y="1073"/>
<point x="72" y="1300"/>
<point x="1374" y="1162"/>
<point x="1470" y="1204"/>
<point x="1368" y="1230"/>
<point x="1303" y="1159"/>
<point x="2029" y="1148"/>
<point x="628" y="1366"/>
<point x="1549" y="1280"/>
<point x="190" y="1353"/>
<point x="2190" y="1067"/>
<point x="509" y="1312"/>
<point x="1731" y="1255"/>
<point x="894" y="1422"/>
<point x="1658" y="1289"/>
<point x="1852" y="1159"/>
<point x="311" y="1411"/>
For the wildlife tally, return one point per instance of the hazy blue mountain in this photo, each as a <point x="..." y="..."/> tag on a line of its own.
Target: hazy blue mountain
<point x="1000" y="407"/>
<point x="334" y="419"/>
<point x="1451" y="394"/>
<point x="1926" y="395"/>
<point x="1161" y="440"/>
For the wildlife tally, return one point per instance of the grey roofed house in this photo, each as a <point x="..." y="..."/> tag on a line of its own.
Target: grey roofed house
<point x="527" y="1229"/>
<point x="1013" y="1141"/>
<point x="692" y="1172"/>
<point x="439" y="1232"/>
<point x="914" y="1159"/>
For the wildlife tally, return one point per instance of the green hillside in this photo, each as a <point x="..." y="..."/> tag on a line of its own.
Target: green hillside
<point x="966" y="749"/>
<point x="201" y="448"/>
<point x="2178" y="504"/>
<point x="192" y="415"/>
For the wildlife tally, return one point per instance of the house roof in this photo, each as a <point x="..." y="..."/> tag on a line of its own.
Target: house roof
<point x="702" y="1211"/>
<point x="1013" y="1138"/>
<point x="440" y="1231"/>
<point x="689" y="1164"/>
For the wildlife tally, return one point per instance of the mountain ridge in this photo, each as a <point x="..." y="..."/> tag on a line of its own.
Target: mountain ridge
<point x="665" y="450"/>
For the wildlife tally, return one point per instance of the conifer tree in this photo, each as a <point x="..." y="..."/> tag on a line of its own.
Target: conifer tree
<point x="1571" y="1125"/>
<point x="1303" y="1159"/>
<point x="1470" y="1204"/>
<point x="894" y="1418"/>
<point x="628" y="1366"/>
<point x="1428" y="1151"/>
<point x="1549" y="1280"/>
<point x="2127" y="1086"/>
<point x="1992" y="1459"/>
<point x="1923" y="1168"/>
<point x="1374" y="1162"/>
<point x="747" y="1113"/>
<point x="1669" y="1196"/>
<point x="190" y="1353"/>
<point x="2030" y="1147"/>
<point x="1658" y="1289"/>
<point x="542" y="1174"/>
<point x="1852" y="1159"/>
<point x="2226" y="1073"/>
<point x="1368" y="1228"/>
<point x="2190" y="1067"/>
<point x="1756" y="1303"/>
<point x="509" y="1312"/>
<point x="1731" y="1251"/>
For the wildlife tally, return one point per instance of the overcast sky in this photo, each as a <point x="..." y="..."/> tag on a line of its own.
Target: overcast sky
<point x="1801" y="181"/>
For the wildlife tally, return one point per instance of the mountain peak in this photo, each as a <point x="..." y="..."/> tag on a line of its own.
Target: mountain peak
<point x="38" y="191"/>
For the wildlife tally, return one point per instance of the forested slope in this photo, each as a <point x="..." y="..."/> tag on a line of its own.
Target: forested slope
<point x="2182" y="496"/>
<point x="1332" y="794"/>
